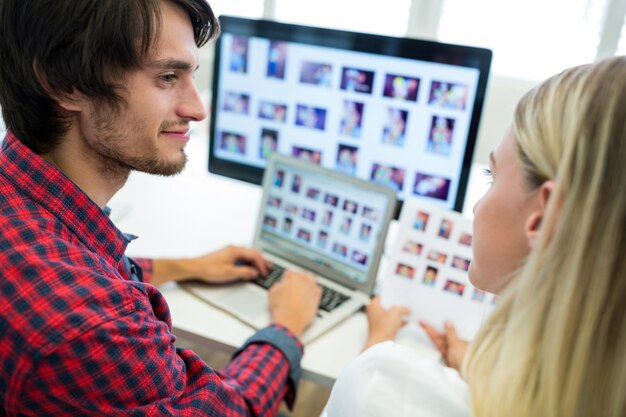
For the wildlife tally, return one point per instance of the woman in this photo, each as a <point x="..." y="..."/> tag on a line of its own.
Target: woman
<point x="549" y="236"/>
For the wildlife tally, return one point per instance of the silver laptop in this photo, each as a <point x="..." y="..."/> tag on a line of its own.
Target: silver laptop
<point x="317" y="220"/>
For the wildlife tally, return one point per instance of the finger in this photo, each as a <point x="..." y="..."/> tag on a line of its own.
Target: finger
<point x="436" y="337"/>
<point x="256" y="259"/>
<point x="401" y="310"/>
<point x="375" y="303"/>
<point x="246" y="272"/>
<point x="451" y="334"/>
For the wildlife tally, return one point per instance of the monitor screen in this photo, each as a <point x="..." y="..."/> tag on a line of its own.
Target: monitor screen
<point x="400" y="112"/>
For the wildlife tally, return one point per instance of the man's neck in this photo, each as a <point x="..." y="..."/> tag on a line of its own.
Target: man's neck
<point x="87" y="169"/>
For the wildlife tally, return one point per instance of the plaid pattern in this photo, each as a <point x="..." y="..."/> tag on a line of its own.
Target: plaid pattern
<point x="79" y="336"/>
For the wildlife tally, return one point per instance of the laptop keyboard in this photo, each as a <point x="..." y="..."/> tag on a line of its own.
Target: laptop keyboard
<point x="331" y="299"/>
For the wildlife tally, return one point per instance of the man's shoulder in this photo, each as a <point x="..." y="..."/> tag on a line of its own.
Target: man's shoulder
<point x="49" y="275"/>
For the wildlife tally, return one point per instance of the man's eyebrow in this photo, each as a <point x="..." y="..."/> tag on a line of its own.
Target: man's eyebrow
<point x="172" y="64"/>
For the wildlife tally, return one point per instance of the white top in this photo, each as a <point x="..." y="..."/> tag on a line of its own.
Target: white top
<point x="390" y="379"/>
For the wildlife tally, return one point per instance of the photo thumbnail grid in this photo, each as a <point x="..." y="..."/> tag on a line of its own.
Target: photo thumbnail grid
<point x="323" y="217"/>
<point x="354" y="119"/>
<point x="436" y="253"/>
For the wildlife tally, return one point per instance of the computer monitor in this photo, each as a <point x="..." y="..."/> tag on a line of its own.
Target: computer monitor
<point x="397" y="111"/>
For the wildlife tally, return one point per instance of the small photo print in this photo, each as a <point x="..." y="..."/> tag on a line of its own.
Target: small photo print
<point x="270" y="221"/>
<point x="395" y="127"/>
<point x="296" y="183"/>
<point x="460" y="263"/>
<point x="405" y="271"/>
<point x="437" y="256"/>
<point x="371" y="214"/>
<point x="327" y="218"/>
<point x="273" y="201"/>
<point x="387" y="175"/>
<point x="350" y="206"/>
<point x="366" y="232"/>
<point x="339" y="249"/>
<point x="357" y="80"/>
<point x="269" y="143"/>
<point x="413" y="248"/>
<point x="233" y="142"/>
<point x="316" y="73"/>
<point x="275" y="112"/>
<point x="304" y="235"/>
<point x="239" y="54"/>
<point x="401" y="87"/>
<point x="236" y="103"/>
<point x="307" y="154"/>
<point x="308" y="214"/>
<point x="279" y="178"/>
<point x="465" y="239"/>
<point x="478" y="295"/>
<point x="345" y="226"/>
<point x="277" y="60"/>
<point x="454" y="287"/>
<point x="347" y="158"/>
<point x="431" y="186"/>
<point x="291" y="209"/>
<point x="448" y="95"/>
<point x="430" y="276"/>
<point x="287" y="225"/>
<point x="445" y="228"/>
<point x="331" y="199"/>
<point x="311" y="117"/>
<point x="313" y="193"/>
<point x="440" y="136"/>
<point x="352" y="119"/>
<point x="421" y="220"/>
<point x="322" y="239"/>
<point x="359" y="257"/>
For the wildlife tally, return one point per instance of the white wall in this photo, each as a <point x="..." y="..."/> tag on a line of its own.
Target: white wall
<point x="502" y="96"/>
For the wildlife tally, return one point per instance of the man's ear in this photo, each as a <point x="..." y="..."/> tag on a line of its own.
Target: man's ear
<point x="533" y="223"/>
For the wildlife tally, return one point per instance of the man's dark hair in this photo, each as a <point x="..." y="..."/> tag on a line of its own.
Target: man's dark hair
<point x="52" y="48"/>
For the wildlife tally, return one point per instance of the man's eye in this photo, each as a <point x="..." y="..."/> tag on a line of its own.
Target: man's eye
<point x="168" y="78"/>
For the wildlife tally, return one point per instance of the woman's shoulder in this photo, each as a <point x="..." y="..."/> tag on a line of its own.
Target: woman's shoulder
<point x="393" y="379"/>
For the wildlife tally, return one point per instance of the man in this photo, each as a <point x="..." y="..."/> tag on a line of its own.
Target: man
<point x="91" y="90"/>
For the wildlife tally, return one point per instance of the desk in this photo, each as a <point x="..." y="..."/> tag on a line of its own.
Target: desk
<point x="196" y="212"/>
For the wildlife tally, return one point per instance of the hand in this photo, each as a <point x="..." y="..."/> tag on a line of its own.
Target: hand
<point x="225" y="265"/>
<point x="294" y="300"/>
<point x="451" y="347"/>
<point x="383" y="324"/>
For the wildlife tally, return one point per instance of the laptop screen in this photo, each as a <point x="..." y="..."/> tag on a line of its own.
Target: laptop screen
<point x="331" y="220"/>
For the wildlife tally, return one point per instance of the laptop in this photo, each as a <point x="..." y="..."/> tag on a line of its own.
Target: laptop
<point x="317" y="220"/>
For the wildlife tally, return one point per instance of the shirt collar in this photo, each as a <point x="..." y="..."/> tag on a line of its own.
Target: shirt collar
<point x="50" y="188"/>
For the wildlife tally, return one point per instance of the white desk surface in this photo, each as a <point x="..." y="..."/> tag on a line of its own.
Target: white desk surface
<point x="197" y="212"/>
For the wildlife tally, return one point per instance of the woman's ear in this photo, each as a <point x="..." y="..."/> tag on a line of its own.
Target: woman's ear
<point x="533" y="224"/>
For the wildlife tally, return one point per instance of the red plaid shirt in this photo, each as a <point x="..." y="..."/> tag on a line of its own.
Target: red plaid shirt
<point x="79" y="336"/>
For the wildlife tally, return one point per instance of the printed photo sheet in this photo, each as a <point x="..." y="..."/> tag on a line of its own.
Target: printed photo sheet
<point x="427" y="271"/>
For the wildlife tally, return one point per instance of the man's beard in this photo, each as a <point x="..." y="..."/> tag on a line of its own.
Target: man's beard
<point x="114" y="159"/>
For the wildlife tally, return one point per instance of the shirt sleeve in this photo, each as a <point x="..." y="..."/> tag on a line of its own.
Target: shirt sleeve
<point x="389" y="379"/>
<point x="286" y="342"/>
<point x="129" y="366"/>
<point x="146" y="268"/>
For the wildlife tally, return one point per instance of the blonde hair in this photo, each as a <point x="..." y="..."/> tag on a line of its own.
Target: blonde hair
<point x="556" y="343"/>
